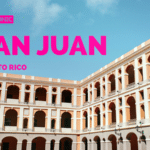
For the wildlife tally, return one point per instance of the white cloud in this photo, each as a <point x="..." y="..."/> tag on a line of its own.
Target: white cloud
<point x="102" y="5"/>
<point x="44" y="11"/>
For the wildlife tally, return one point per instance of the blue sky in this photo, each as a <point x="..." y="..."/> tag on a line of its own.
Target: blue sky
<point x="125" y="23"/>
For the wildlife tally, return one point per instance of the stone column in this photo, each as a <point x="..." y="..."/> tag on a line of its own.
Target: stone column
<point x="81" y="121"/>
<point x="74" y="145"/>
<point x="22" y="93"/>
<point x="106" y="113"/>
<point x="3" y="91"/>
<point x="146" y="105"/>
<point x="124" y="110"/>
<point x="29" y="144"/>
<point x="93" y="96"/>
<point x="101" y="87"/>
<point x="58" y="96"/>
<point x="143" y="145"/>
<point x="32" y="94"/>
<point x="19" y="145"/>
<point x="102" y="145"/>
<point x="49" y="119"/>
<point x="88" y="92"/>
<point x="116" y="79"/>
<point x="75" y="120"/>
<point x="123" y="77"/>
<point x="82" y="146"/>
<point x="21" y="118"/>
<point x="93" y="118"/>
<point x="2" y="117"/>
<point x="108" y="145"/>
<point x="147" y="143"/>
<point x="106" y="87"/>
<point x="101" y="114"/>
<point x="88" y="118"/>
<point x="47" y="146"/>
<point x="117" y="111"/>
<point x="58" y="119"/>
<point x="31" y="119"/>
<point x="144" y="67"/>
<point x="120" y="145"/>
<point x="75" y="96"/>
<point x="56" y="146"/>
<point x="89" y="145"/>
<point x="136" y="71"/>
<point x="126" y="145"/>
<point x="138" y="112"/>
<point x="93" y="145"/>
<point x="81" y="96"/>
<point x="50" y="95"/>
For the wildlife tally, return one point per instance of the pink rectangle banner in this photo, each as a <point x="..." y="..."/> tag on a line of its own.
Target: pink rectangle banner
<point x="6" y="19"/>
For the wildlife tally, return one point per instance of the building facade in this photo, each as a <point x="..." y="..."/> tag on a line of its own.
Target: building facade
<point x="108" y="110"/>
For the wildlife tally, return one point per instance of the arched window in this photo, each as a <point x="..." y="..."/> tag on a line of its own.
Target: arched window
<point x="113" y="140"/>
<point x="9" y="143"/>
<point x="86" y="94"/>
<point x="40" y="94"/>
<point x="53" y="124"/>
<point x="13" y="92"/>
<point x="112" y="107"/>
<point x="66" y="120"/>
<point x="85" y="115"/>
<point x="131" y="76"/>
<point x="66" y="96"/>
<point x="38" y="143"/>
<point x="131" y="103"/>
<point x="39" y="119"/>
<point x="112" y="82"/>
<point x="11" y="118"/>
<point x="97" y="86"/>
<point x="97" y="111"/>
<point x="25" y="123"/>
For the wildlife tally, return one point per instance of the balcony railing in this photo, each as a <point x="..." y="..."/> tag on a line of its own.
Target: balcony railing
<point x="97" y="127"/>
<point x="12" y="101"/>
<point x="10" y="128"/>
<point x="86" y="103"/>
<point x="112" y="125"/>
<point x="97" y="98"/>
<point x="112" y="93"/>
<point x="132" y="122"/>
<point x="85" y="130"/>
<point x="131" y="85"/>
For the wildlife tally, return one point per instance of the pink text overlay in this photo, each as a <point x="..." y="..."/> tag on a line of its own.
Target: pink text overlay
<point x="77" y="46"/>
<point x="7" y="19"/>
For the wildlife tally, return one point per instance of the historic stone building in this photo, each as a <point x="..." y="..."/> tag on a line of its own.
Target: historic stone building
<point x="108" y="110"/>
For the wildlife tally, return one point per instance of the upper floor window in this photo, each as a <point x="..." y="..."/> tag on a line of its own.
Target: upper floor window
<point x="131" y="76"/>
<point x="112" y="82"/>
<point x="66" y="96"/>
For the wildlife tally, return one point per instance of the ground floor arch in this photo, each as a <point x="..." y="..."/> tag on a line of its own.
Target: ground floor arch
<point x="97" y="144"/>
<point x="133" y="141"/>
<point x="85" y="143"/>
<point x="65" y="144"/>
<point x="38" y="143"/>
<point x="24" y="145"/>
<point x="112" y="138"/>
<point x="9" y="143"/>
